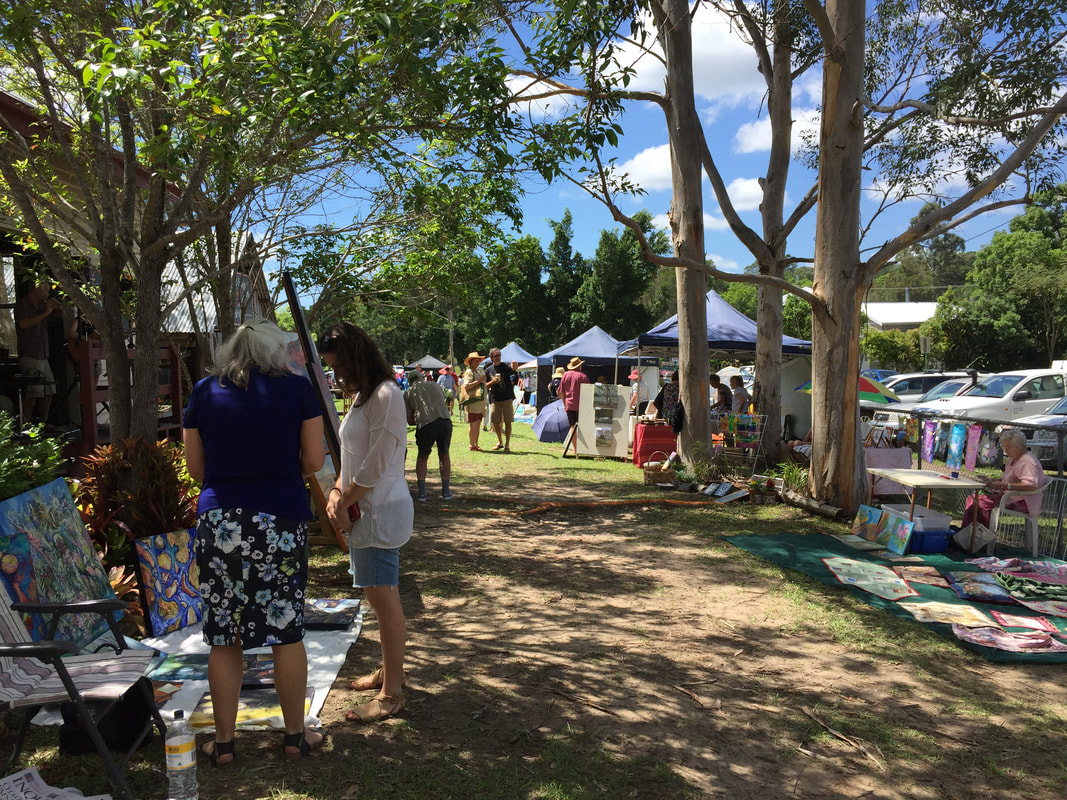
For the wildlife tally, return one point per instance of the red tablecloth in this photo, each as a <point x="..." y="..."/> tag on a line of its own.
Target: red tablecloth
<point x="650" y="438"/>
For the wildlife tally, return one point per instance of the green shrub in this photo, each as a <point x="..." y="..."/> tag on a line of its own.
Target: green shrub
<point x="27" y="461"/>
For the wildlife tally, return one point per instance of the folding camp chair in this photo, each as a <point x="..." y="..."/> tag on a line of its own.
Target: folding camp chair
<point x="33" y="674"/>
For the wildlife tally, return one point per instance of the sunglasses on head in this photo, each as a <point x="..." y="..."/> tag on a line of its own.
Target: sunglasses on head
<point x="328" y="344"/>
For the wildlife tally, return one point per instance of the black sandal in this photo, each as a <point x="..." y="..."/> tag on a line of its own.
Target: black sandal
<point x="299" y="740"/>
<point x="219" y="749"/>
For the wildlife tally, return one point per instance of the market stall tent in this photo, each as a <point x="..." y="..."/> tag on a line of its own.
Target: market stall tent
<point x="732" y="334"/>
<point x="729" y="332"/>
<point x="600" y="352"/>
<point x="427" y="362"/>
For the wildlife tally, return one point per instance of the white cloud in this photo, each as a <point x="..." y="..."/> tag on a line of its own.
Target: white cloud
<point x="755" y="137"/>
<point x="723" y="263"/>
<point x="724" y="67"/>
<point x="745" y="194"/>
<point x="711" y="223"/>
<point x="651" y="168"/>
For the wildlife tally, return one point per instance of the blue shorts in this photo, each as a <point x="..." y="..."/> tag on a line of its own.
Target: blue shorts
<point x="375" y="566"/>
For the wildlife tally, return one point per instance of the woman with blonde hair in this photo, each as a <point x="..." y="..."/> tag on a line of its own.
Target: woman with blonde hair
<point x="473" y="382"/>
<point x="252" y="432"/>
<point x="371" y="503"/>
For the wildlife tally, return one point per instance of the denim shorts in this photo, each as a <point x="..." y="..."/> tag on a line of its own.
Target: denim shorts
<point x="375" y="566"/>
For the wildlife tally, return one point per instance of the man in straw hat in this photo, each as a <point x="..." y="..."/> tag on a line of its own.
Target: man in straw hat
<point x="570" y="387"/>
<point x="553" y="385"/>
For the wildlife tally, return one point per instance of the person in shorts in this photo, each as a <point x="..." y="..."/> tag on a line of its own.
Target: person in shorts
<point x="31" y="337"/>
<point x="428" y="411"/>
<point x="500" y="382"/>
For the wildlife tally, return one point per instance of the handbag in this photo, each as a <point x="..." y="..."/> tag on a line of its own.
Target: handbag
<point x="466" y="396"/>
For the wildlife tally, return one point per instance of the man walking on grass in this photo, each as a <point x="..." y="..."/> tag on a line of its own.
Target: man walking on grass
<point x="428" y="412"/>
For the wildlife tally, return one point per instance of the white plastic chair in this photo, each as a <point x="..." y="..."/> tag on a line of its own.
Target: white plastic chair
<point x="1029" y="521"/>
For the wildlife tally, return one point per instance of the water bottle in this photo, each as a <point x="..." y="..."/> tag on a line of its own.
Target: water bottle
<point x="180" y="745"/>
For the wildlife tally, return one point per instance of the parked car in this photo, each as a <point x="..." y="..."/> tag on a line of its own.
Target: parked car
<point x="1043" y="444"/>
<point x="880" y="375"/>
<point x="1003" y="397"/>
<point x="893" y="415"/>
<point x="910" y="386"/>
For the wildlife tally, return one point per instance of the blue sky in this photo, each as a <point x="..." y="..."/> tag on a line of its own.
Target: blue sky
<point x="730" y="100"/>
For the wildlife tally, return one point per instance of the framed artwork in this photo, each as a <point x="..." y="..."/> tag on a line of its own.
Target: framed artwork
<point x="64" y="562"/>
<point x="170" y="581"/>
<point x="866" y="521"/>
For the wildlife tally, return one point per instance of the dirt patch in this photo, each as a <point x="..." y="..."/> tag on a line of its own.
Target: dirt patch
<point x="669" y="646"/>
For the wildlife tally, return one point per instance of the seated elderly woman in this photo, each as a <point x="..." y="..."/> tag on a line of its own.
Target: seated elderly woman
<point x="1022" y="472"/>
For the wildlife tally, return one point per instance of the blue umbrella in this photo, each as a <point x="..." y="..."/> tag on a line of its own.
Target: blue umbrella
<point x="551" y="424"/>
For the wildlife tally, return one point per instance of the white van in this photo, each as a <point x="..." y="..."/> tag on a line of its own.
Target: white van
<point x="1004" y="396"/>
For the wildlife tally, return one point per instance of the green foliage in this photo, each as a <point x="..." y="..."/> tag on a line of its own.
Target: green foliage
<point x="133" y="490"/>
<point x="28" y="460"/>
<point x="611" y="295"/>
<point x="893" y="349"/>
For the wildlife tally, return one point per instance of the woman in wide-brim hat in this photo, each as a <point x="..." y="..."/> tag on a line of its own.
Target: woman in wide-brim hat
<point x="472" y="377"/>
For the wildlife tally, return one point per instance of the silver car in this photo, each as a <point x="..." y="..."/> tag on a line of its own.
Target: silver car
<point x="1044" y="443"/>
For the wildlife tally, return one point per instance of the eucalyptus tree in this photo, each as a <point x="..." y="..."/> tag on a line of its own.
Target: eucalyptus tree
<point x="156" y="120"/>
<point x="958" y="103"/>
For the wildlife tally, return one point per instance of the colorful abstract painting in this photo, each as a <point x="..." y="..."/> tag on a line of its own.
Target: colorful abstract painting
<point x="974" y="435"/>
<point x="899" y="530"/>
<point x="171" y="581"/>
<point x="956" y="440"/>
<point x="929" y="429"/>
<point x="66" y="567"/>
<point x="16" y="574"/>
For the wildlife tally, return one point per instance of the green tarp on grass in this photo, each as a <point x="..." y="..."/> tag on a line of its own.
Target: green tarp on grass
<point x="804" y="553"/>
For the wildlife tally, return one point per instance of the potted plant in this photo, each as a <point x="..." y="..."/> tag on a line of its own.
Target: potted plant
<point x="135" y="490"/>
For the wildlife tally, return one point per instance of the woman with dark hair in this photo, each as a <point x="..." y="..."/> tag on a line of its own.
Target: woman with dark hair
<point x="371" y="503"/>
<point x="253" y="430"/>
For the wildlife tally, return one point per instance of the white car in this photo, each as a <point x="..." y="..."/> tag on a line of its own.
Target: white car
<point x="1044" y="443"/>
<point x="1003" y="397"/>
<point x="894" y="414"/>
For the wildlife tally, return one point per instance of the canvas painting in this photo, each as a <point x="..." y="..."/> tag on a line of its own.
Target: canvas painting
<point x="899" y="532"/>
<point x="865" y="522"/>
<point x="256" y="708"/>
<point x="956" y="440"/>
<point x="929" y="430"/>
<point x="911" y="430"/>
<point x="330" y="613"/>
<point x="974" y="435"/>
<point x="66" y="567"/>
<point x="16" y="573"/>
<point x="171" y="581"/>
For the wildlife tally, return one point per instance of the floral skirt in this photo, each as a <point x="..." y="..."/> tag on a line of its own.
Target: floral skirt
<point x="253" y="576"/>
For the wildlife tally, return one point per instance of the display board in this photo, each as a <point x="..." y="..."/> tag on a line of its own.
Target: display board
<point x="603" y="420"/>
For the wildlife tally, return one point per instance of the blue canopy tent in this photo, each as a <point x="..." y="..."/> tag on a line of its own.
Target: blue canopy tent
<point x="511" y="352"/>
<point x="600" y="352"/>
<point x="729" y="331"/>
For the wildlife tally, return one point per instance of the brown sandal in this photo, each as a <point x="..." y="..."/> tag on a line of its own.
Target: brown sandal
<point x="373" y="681"/>
<point x="375" y="710"/>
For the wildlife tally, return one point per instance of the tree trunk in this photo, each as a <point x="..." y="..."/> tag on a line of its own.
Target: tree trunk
<point x="687" y="225"/>
<point x="768" y="387"/>
<point x="144" y="423"/>
<point x="837" y="476"/>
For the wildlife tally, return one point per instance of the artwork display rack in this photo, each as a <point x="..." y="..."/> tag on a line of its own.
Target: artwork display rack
<point x="739" y="439"/>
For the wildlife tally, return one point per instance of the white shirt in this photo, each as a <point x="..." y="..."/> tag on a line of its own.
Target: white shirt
<point x="373" y="440"/>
